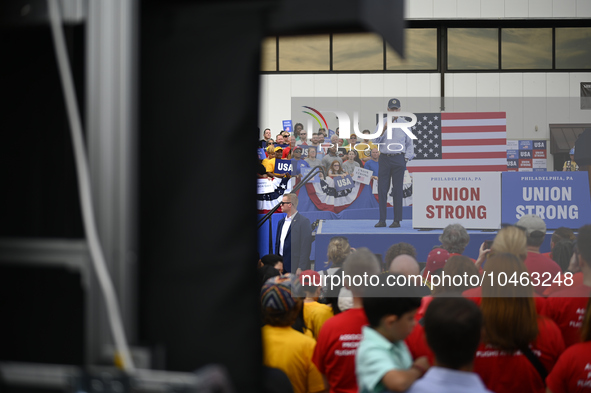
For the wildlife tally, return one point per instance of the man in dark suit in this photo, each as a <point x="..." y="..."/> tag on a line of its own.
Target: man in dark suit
<point x="294" y="237"/>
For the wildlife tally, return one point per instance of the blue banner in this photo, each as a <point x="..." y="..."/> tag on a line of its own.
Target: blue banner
<point x="539" y="145"/>
<point x="297" y="166"/>
<point x="287" y="125"/>
<point x="282" y="166"/>
<point x="315" y="179"/>
<point x="524" y="145"/>
<point x="343" y="183"/>
<point x="561" y="200"/>
<point x="525" y="154"/>
<point x="262" y="154"/>
<point x="512" y="164"/>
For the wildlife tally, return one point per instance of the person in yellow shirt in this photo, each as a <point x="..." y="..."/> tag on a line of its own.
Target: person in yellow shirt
<point x="570" y="165"/>
<point x="269" y="162"/>
<point x="365" y="147"/>
<point x="284" y="347"/>
<point x="315" y="314"/>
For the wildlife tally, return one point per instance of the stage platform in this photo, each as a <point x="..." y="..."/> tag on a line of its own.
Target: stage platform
<point x="362" y="233"/>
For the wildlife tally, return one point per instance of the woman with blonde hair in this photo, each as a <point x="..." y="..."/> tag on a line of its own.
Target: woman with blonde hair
<point x="510" y="240"/>
<point x="519" y="346"/>
<point x="338" y="250"/>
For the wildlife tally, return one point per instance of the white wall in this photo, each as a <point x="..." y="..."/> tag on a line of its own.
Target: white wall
<point x="530" y="99"/>
<point x="496" y="9"/>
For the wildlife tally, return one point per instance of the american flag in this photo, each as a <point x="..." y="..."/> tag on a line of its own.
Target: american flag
<point x="460" y="142"/>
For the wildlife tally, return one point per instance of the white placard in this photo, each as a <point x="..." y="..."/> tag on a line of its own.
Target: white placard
<point x="539" y="163"/>
<point x="472" y="199"/>
<point x="374" y="189"/>
<point x="265" y="186"/>
<point x="362" y="175"/>
<point x="512" y="145"/>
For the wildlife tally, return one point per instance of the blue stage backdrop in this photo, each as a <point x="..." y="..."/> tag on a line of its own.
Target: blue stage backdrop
<point x="561" y="199"/>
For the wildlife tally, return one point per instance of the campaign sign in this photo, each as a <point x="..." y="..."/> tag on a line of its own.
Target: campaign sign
<point x="525" y="154"/>
<point x="512" y="164"/>
<point x="343" y="183"/>
<point x="540" y="154"/>
<point x="262" y="154"/>
<point x="330" y="133"/>
<point x="298" y="165"/>
<point x="362" y="175"/>
<point x="538" y="169"/>
<point x="559" y="198"/>
<point x="525" y="164"/>
<point x="539" y="145"/>
<point x="512" y="145"/>
<point x="472" y="199"/>
<point x="512" y="154"/>
<point x="525" y="145"/>
<point x="539" y="163"/>
<point x="282" y="166"/>
<point x="306" y="171"/>
<point x="287" y="125"/>
<point x="265" y="186"/>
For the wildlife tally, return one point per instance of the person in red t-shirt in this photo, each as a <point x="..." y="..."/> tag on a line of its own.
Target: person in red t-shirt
<point x="512" y="326"/>
<point x="455" y="266"/>
<point x="334" y="355"/>
<point x="571" y="372"/>
<point x="542" y="270"/>
<point x="288" y="151"/>
<point x="567" y="307"/>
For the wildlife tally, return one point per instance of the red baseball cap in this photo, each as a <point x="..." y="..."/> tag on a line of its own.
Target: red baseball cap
<point x="435" y="260"/>
<point x="310" y="278"/>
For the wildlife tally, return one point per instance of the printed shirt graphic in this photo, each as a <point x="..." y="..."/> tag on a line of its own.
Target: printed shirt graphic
<point x="460" y="142"/>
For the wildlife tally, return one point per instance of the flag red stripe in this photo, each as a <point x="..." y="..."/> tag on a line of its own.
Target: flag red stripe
<point x="473" y="115"/>
<point x="491" y="154"/>
<point x="473" y="142"/>
<point x="468" y="168"/>
<point x="475" y="129"/>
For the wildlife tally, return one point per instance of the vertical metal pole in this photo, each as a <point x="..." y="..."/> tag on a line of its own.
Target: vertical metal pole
<point x="111" y="123"/>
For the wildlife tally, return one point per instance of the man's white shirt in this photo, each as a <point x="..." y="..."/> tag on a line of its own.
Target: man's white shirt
<point x="284" y="231"/>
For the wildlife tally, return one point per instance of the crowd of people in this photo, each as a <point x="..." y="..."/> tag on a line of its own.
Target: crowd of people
<point x="532" y="334"/>
<point x="386" y="155"/>
<point x="338" y="156"/>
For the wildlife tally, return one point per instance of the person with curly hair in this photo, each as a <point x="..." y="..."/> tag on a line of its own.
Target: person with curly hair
<point x="454" y="239"/>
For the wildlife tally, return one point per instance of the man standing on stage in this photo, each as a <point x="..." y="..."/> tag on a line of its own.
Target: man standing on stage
<point x="394" y="154"/>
